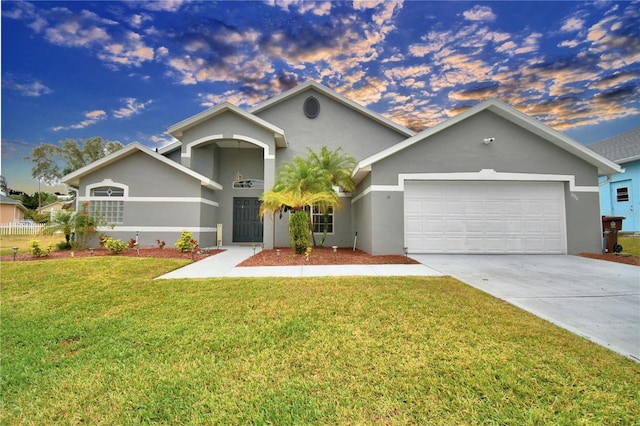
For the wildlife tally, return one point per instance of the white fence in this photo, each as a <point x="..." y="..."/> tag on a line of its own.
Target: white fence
<point x="21" y="228"/>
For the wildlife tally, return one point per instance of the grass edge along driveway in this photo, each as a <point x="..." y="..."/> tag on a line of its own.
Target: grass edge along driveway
<point x="97" y="341"/>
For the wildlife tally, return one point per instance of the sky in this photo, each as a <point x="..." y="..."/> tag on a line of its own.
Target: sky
<point x="128" y="70"/>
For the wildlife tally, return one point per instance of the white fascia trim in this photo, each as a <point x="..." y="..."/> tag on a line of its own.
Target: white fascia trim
<point x="171" y="147"/>
<point x="121" y="228"/>
<point x="482" y="175"/>
<point x="177" y="129"/>
<point x="153" y="200"/>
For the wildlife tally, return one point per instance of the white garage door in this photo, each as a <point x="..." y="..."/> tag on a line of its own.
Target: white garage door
<point x="484" y="217"/>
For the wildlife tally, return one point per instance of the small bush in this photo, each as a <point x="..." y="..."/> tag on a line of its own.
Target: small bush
<point x="299" y="231"/>
<point x="186" y="242"/>
<point x="36" y="251"/>
<point x="114" y="246"/>
<point x="64" y="245"/>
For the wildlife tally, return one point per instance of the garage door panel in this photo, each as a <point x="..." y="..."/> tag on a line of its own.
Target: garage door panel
<point x="485" y="217"/>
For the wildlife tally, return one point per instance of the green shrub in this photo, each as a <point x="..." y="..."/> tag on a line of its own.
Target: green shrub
<point x="64" y="245"/>
<point x="186" y="242"/>
<point x="114" y="246"/>
<point x="299" y="231"/>
<point x="36" y="251"/>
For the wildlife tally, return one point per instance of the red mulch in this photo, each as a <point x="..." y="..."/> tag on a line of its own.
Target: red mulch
<point x="322" y="256"/>
<point x="614" y="257"/>
<point x="165" y="253"/>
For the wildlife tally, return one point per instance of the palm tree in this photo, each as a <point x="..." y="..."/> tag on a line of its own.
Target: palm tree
<point x="338" y="168"/>
<point x="61" y="221"/>
<point x="304" y="183"/>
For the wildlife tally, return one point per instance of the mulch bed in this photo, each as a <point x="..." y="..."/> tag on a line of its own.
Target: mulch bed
<point x="286" y="257"/>
<point x="614" y="257"/>
<point x="165" y="253"/>
<point x="322" y="256"/>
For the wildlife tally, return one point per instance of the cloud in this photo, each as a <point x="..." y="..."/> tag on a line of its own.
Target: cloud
<point x="31" y="88"/>
<point x="572" y="24"/>
<point x="302" y="6"/>
<point x="162" y="5"/>
<point x="132" y="107"/>
<point x="131" y="51"/>
<point x="162" y="140"/>
<point x="85" y="29"/>
<point x="91" y="117"/>
<point x="479" y="13"/>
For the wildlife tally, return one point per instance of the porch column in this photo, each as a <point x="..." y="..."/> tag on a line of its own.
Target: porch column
<point x="269" y="180"/>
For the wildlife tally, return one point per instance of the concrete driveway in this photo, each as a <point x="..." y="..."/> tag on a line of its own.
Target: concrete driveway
<point x="595" y="299"/>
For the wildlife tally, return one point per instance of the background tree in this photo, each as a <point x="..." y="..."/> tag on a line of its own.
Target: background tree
<point x="51" y="162"/>
<point x="305" y="183"/>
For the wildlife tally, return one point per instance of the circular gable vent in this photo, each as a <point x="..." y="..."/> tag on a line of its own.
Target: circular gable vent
<point x="311" y="107"/>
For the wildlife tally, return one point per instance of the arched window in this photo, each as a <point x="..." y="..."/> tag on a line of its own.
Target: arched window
<point x="105" y="204"/>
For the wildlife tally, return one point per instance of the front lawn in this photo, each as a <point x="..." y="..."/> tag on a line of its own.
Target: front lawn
<point x="97" y="341"/>
<point x="630" y="244"/>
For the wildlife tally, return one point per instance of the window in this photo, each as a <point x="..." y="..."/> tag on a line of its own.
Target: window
<point x="311" y="107"/>
<point x="622" y="194"/>
<point x="108" y="210"/>
<point x="319" y="218"/>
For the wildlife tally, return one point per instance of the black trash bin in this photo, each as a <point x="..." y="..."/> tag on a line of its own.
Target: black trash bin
<point x="611" y="225"/>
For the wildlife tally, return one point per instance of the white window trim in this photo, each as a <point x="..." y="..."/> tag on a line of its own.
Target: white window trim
<point x="105" y="182"/>
<point x="333" y="224"/>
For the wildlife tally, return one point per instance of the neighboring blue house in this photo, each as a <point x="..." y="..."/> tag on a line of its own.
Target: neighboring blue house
<point x="620" y="193"/>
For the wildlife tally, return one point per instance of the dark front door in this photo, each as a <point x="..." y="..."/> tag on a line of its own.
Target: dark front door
<point x="247" y="227"/>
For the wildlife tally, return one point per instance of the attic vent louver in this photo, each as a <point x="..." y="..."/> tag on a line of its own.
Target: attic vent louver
<point x="311" y="107"/>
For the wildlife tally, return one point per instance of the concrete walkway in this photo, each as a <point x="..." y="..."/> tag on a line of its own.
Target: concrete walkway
<point x="596" y="299"/>
<point x="224" y="265"/>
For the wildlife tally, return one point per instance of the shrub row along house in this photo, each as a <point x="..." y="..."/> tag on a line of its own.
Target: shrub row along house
<point x="490" y="180"/>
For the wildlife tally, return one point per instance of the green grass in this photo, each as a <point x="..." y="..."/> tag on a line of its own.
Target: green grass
<point x="7" y="242"/>
<point x="97" y="341"/>
<point x="630" y="244"/>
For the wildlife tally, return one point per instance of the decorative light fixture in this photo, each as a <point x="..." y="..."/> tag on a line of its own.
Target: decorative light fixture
<point x="487" y="141"/>
<point x="406" y="252"/>
<point x="335" y="249"/>
<point x="91" y="250"/>
<point x="15" y="251"/>
<point x="238" y="175"/>
<point x="253" y="246"/>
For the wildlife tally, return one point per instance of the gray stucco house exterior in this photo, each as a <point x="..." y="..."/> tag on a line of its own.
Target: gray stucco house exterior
<point x="490" y="180"/>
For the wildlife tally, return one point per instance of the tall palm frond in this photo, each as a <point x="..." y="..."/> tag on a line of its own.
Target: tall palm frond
<point x="336" y="165"/>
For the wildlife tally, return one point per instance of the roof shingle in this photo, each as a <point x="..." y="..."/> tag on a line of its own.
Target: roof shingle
<point x="620" y="148"/>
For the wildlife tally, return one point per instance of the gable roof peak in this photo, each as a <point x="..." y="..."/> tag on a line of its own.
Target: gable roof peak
<point x="326" y="91"/>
